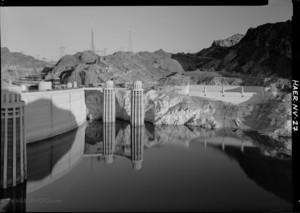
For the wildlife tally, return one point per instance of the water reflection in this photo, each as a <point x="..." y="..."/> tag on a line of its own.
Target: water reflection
<point x="128" y="142"/>
<point x="116" y="143"/>
<point x="52" y="158"/>
<point x="137" y="146"/>
<point x="109" y="140"/>
<point x="273" y="174"/>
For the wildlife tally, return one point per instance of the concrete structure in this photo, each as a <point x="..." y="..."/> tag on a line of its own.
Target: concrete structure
<point x="109" y="108"/>
<point x="109" y="132"/>
<point x="232" y="94"/>
<point x="13" y="140"/>
<point x="75" y="84"/>
<point x="56" y="83"/>
<point x="137" y="146"/>
<point x="137" y="104"/>
<point x="44" y="85"/>
<point x="54" y="112"/>
<point x="23" y="87"/>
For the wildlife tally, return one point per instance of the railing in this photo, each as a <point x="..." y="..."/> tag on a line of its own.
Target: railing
<point x="220" y="88"/>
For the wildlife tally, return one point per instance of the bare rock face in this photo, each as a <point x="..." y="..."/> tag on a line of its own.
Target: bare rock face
<point x="160" y="108"/>
<point x="228" y="42"/>
<point x="273" y="117"/>
<point x="89" y="68"/>
<point x="263" y="52"/>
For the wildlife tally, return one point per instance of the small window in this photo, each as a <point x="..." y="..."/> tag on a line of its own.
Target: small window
<point x="10" y="98"/>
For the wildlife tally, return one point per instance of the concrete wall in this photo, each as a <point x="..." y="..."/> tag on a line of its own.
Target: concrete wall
<point x="232" y="94"/>
<point x="49" y="113"/>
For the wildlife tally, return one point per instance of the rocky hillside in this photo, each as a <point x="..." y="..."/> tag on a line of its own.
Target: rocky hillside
<point x="88" y="68"/>
<point x="265" y="51"/>
<point x="15" y="65"/>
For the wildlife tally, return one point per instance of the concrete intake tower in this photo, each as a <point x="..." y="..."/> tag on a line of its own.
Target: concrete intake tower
<point x="13" y="141"/>
<point x="137" y="104"/>
<point x="109" y="109"/>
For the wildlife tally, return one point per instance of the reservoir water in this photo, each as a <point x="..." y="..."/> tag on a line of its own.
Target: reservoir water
<point x="155" y="168"/>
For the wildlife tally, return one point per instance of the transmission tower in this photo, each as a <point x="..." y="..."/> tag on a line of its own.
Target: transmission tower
<point x="130" y="49"/>
<point x="92" y="42"/>
<point x="62" y="50"/>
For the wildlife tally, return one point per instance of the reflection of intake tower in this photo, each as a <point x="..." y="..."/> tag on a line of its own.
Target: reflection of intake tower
<point x="108" y="141"/>
<point x="137" y="146"/>
<point x="109" y="111"/>
<point x="137" y="104"/>
<point x="13" y="146"/>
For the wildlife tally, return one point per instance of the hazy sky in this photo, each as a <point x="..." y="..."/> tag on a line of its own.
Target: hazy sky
<point x="40" y="31"/>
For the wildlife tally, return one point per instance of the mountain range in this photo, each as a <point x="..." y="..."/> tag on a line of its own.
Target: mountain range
<point x="264" y="51"/>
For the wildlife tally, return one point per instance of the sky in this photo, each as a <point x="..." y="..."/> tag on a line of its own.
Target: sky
<point x="41" y="31"/>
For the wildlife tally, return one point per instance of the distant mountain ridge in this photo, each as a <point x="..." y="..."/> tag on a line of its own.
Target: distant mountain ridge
<point x="265" y="51"/>
<point x="20" y="59"/>
<point x="15" y="65"/>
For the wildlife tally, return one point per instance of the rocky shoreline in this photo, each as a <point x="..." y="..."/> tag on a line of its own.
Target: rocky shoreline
<point x="271" y="119"/>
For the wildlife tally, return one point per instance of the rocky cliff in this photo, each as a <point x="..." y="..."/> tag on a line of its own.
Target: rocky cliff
<point x="88" y="68"/>
<point x="272" y="118"/>
<point x="265" y="51"/>
<point x="15" y="65"/>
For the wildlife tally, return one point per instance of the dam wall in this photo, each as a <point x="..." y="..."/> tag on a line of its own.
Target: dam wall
<point x="50" y="113"/>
